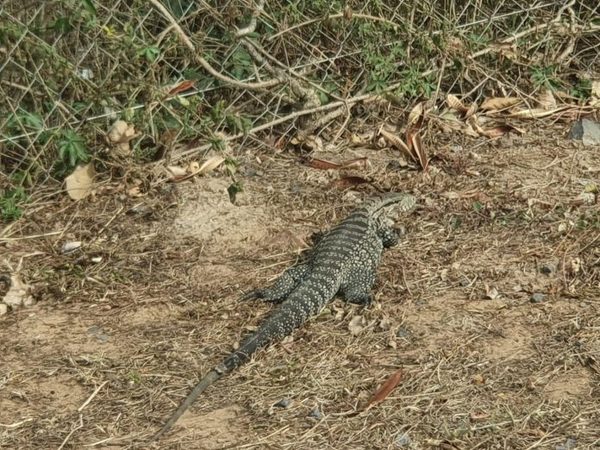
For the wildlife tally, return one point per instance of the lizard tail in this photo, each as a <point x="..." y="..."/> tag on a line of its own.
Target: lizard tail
<point x="209" y="379"/>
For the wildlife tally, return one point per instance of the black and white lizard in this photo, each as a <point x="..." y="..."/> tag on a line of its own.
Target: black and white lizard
<point x="344" y="260"/>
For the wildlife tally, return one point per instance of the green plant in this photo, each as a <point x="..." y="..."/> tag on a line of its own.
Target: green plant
<point x="414" y="84"/>
<point x="582" y="89"/>
<point x="151" y="53"/>
<point x="71" y="150"/>
<point x="545" y="77"/>
<point x="10" y="204"/>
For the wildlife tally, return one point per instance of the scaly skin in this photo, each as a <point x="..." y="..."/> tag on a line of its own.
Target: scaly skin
<point x="344" y="260"/>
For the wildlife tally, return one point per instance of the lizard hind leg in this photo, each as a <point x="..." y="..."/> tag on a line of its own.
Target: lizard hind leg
<point x="282" y="287"/>
<point x="357" y="288"/>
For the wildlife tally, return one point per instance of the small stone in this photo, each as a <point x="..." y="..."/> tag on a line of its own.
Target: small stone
<point x="537" y="297"/>
<point x="587" y="131"/>
<point x="548" y="268"/>
<point x="569" y="444"/>
<point x="315" y="413"/>
<point x="3" y="309"/>
<point x="403" y="332"/>
<point x="69" y="247"/>
<point x="283" y="403"/>
<point x="403" y="440"/>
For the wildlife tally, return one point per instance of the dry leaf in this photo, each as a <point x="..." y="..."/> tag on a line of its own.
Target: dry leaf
<point x="596" y="88"/>
<point x="536" y="113"/>
<point x="499" y="103"/>
<point x="79" y="184"/>
<point x="385" y="389"/>
<point x="416" y="115"/>
<point x="181" y="87"/>
<point x="491" y="292"/>
<point x="324" y="165"/>
<point x="120" y="134"/>
<point x="356" y="325"/>
<point x="176" y="171"/>
<point x="349" y="181"/>
<point x="419" y="149"/>
<point x="546" y="100"/>
<point x="211" y="164"/>
<point x="454" y="102"/>
<point x="19" y="293"/>
<point x="471" y="111"/>
<point x="397" y="142"/>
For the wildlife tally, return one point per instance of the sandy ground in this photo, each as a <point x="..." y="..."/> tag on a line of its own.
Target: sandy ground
<point x="122" y="329"/>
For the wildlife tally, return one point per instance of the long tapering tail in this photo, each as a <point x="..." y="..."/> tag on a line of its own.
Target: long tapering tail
<point x="208" y="379"/>
<point x="290" y="315"/>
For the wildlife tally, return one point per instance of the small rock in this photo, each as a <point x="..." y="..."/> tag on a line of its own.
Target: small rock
<point x="315" y="413"/>
<point x="537" y="297"/>
<point x="3" y="309"/>
<point x="587" y="131"/>
<point x="548" y="268"/>
<point x="569" y="444"/>
<point x="403" y="332"/>
<point x="69" y="247"/>
<point x="403" y="440"/>
<point x="283" y="403"/>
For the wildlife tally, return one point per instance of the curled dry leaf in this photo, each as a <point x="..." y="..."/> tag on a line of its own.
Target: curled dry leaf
<point x="119" y="135"/>
<point x="454" y="103"/>
<point x="211" y="164"/>
<point x="416" y="115"/>
<point x="471" y="111"/>
<point x="322" y="164"/>
<point x="180" y="87"/>
<point x="499" y="103"/>
<point x="385" y="389"/>
<point x="79" y="184"/>
<point x="397" y="142"/>
<point x="413" y="139"/>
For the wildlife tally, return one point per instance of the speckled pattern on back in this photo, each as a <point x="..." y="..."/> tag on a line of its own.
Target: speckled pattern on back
<point x="344" y="261"/>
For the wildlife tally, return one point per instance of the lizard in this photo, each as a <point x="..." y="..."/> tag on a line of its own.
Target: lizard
<point x="343" y="260"/>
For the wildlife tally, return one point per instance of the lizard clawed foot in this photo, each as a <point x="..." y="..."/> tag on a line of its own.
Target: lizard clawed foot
<point x="252" y="295"/>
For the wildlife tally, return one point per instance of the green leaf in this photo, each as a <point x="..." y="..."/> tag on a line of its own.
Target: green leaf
<point x="89" y="7"/>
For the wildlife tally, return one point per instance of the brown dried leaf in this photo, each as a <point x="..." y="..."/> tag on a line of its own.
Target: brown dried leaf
<point x="385" y="389"/>
<point x="79" y="183"/>
<point x="181" y="87"/>
<point x="325" y="165"/>
<point x="349" y="181"/>
<point x="471" y="111"/>
<point x="211" y="164"/>
<point x="499" y="103"/>
<point x="419" y="149"/>
<point x="398" y="143"/>
<point x="416" y="115"/>
<point x="454" y="102"/>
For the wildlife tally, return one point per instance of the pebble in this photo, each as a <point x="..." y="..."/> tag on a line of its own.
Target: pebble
<point x="3" y="309"/>
<point x="315" y="413"/>
<point x="586" y="131"/>
<point x="283" y="403"/>
<point x="403" y="440"/>
<point x="537" y="297"/>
